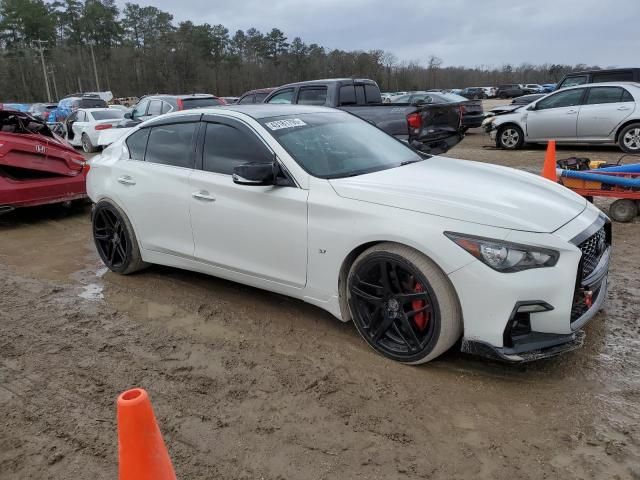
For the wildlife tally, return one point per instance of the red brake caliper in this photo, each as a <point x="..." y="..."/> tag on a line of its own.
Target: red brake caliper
<point x="420" y="319"/>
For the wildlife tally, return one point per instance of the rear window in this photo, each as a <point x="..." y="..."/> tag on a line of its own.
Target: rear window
<point x="110" y="114"/>
<point x="573" y="81"/>
<point x="189" y="103"/>
<point x="91" y="103"/>
<point x="372" y="94"/>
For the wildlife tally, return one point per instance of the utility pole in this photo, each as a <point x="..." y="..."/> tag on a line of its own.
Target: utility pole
<point x="55" y="85"/>
<point x="95" y="68"/>
<point x="39" y="46"/>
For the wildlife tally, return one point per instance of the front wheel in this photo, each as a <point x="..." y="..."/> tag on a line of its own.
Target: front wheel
<point x="402" y="304"/>
<point x="623" y="210"/>
<point x="115" y="239"/>
<point x="629" y="138"/>
<point x="510" y="137"/>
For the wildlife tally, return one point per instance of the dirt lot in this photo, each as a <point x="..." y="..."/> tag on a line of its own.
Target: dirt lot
<point x="251" y="385"/>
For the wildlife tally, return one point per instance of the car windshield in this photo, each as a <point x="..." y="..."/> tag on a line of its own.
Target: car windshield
<point x="108" y="114"/>
<point x="189" y="103"/>
<point x="337" y="145"/>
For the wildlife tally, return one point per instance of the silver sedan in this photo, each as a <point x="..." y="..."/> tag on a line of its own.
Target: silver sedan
<point x="597" y="113"/>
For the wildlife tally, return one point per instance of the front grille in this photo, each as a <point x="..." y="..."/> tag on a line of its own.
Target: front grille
<point x="592" y="249"/>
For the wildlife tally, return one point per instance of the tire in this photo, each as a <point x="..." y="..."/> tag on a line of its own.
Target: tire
<point x="115" y="239"/>
<point x="629" y="138"/>
<point x="503" y="96"/>
<point x="623" y="210"/>
<point x="87" y="146"/>
<point x="510" y="137"/>
<point x="415" y="319"/>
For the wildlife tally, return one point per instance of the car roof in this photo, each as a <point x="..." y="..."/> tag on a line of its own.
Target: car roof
<point x="258" y="110"/>
<point x="331" y="80"/>
<point x="605" y="84"/>
<point x="603" y="70"/>
<point x="104" y="109"/>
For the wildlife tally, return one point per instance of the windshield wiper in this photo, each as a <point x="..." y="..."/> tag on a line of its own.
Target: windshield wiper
<point x="408" y="162"/>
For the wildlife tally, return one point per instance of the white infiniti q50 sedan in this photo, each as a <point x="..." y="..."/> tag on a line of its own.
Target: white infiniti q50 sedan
<point x="315" y="203"/>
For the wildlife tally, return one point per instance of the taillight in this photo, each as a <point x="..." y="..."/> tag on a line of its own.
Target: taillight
<point x="180" y="104"/>
<point x="103" y="126"/>
<point x="463" y="109"/>
<point x="45" y="116"/>
<point x="414" y="120"/>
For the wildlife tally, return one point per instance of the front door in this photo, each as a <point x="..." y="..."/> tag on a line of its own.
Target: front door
<point x="555" y="117"/>
<point x="259" y="231"/>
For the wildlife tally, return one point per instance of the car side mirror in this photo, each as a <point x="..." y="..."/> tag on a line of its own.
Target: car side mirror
<point x="255" y="174"/>
<point x="128" y="115"/>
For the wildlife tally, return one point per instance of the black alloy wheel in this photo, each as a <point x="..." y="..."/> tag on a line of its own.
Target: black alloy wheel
<point x="111" y="238"/>
<point x="394" y="307"/>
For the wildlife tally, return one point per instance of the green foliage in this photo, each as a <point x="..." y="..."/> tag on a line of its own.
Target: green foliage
<point x="140" y="50"/>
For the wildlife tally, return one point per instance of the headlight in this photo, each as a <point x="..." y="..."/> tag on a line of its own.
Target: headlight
<point x="488" y="120"/>
<point x="504" y="256"/>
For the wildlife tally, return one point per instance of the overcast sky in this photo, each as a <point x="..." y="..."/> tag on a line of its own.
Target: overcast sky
<point x="461" y="32"/>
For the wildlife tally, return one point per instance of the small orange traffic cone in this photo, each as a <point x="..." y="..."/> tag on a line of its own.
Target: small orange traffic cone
<point x="549" y="167"/>
<point x="143" y="454"/>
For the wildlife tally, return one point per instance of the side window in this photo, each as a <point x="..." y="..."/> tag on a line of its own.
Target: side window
<point x="246" y="99"/>
<point x="360" y="98"/>
<point x="73" y="117"/>
<point x="140" y="109"/>
<point x="372" y="94"/>
<point x="155" y="107"/>
<point x="613" y="77"/>
<point x="171" y="145"/>
<point x="137" y="143"/>
<point x="312" y="96"/>
<point x="347" y="95"/>
<point x="166" y="108"/>
<point x="573" y="81"/>
<point x="82" y="117"/>
<point x="226" y="147"/>
<point x="260" y="97"/>
<point x="598" y="95"/>
<point x="286" y="96"/>
<point x="626" y="96"/>
<point x="561" y="99"/>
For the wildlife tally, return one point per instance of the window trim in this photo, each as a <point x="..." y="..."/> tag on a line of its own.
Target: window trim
<point x="144" y="154"/>
<point x="312" y="87"/>
<point x="294" y="96"/>
<point x="240" y="124"/>
<point x="560" y="92"/>
<point x="590" y="89"/>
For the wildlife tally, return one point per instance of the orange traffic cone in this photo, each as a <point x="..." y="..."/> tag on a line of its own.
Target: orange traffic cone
<point x="549" y="167"/>
<point x="143" y="455"/>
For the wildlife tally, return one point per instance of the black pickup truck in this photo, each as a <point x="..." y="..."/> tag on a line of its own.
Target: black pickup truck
<point x="431" y="128"/>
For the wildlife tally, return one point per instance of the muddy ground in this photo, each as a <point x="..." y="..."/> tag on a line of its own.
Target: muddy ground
<point x="252" y="385"/>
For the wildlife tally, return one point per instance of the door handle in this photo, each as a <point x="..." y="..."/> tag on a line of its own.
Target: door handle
<point x="204" y="196"/>
<point x="571" y="112"/>
<point x="624" y="108"/>
<point x="126" y="180"/>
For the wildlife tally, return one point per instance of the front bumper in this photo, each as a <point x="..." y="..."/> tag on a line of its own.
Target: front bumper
<point x="498" y="321"/>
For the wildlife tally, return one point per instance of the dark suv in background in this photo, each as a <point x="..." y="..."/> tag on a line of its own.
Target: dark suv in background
<point x="154" y="105"/>
<point x="599" y="76"/>
<point x="254" y="96"/>
<point x="510" y="90"/>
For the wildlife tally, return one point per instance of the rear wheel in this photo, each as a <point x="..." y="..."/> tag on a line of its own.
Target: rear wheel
<point x="510" y="137"/>
<point x="87" y="146"/>
<point x="623" y="210"/>
<point x="629" y="138"/>
<point x="402" y="304"/>
<point x="115" y="239"/>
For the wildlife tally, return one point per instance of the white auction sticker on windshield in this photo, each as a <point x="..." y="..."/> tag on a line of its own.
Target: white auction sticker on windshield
<point x="288" y="123"/>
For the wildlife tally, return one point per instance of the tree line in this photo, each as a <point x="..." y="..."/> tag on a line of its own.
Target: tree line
<point x="140" y="50"/>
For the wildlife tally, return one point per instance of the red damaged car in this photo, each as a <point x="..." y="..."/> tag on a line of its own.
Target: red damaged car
<point x="37" y="166"/>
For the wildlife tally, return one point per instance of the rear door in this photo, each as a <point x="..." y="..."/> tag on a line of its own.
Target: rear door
<point x="79" y="126"/>
<point x="259" y="231"/>
<point x="153" y="184"/>
<point x="555" y="116"/>
<point x="604" y="108"/>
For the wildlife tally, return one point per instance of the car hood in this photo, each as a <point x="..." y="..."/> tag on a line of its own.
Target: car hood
<point x="469" y="191"/>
